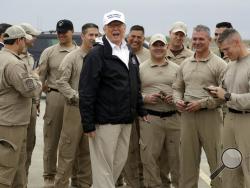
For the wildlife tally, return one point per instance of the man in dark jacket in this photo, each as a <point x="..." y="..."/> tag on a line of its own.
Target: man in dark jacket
<point x="110" y="98"/>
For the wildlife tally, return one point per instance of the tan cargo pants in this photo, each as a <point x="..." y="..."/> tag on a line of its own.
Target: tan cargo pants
<point x="236" y="133"/>
<point x="168" y="168"/>
<point x="12" y="156"/>
<point x="133" y="168"/>
<point x="53" y="120"/>
<point x="31" y="137"/>
<point x="73" y="146"/>
<point x="158" y="134"/>
<point x="199" y="129"/>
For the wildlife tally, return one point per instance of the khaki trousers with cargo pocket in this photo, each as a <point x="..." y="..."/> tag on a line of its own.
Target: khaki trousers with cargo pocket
<point x="159" y="134"/>
<point x="169" y="175"/>
<point x="53" y="120"/>
<point x="12" y="156"/>
<point x="31" y="137"/>
<point x="133" y="168"/>
<point x="236" y="134"/>
<point x="73" y="146"/>
<point x="201" y="129"/>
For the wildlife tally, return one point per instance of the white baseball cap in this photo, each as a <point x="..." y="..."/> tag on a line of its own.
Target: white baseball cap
<point x="113" y="15"/>
<point x="179" y="26"/>
<point x="29" y="29"/>
<point x="158" y="37"/>
<point x="15" y="32"/>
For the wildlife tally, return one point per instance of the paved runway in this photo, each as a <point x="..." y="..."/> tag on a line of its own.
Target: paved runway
<point x="36" y="169"/>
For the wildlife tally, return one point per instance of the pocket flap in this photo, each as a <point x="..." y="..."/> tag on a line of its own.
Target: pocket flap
<point x="8" y="143"/>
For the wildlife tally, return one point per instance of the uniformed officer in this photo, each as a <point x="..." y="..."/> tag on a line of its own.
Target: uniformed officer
<point x="29" y="60"/>
<point x="17" y="87"/>
<point x="73" y="144"/>
<point x="136" y="38"/>
<point x="236" y="93"/>
<point x="177" y="52"/>
<point x="50" y="61"/>
<point x="201" y="118"/>
<point x="220" y="27"/>
<point x="133" y="166"/>
<point x="157" y="76"/>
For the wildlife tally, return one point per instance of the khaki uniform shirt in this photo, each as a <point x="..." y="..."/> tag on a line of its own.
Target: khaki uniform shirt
<point x="156" y="78"/>
<point x="143" y="55"/>
<point x="50" y="61"/>
<point x="28" y="58"/>
<point x="237" y="81"/>
<point x="217" y="52"/>
<point x="193" y="76"/>
<point x="17" y="86"/>
<point x="185" y="53"/>
<point x="70" y="70"/>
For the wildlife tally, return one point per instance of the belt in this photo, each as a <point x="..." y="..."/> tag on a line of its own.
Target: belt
<point x="52" y="89"/>
<point x="237" y="111"/>
<point x="203" y="109"/>
<point x="161" y="114"/>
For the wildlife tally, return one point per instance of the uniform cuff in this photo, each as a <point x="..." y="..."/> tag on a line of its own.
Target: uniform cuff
<point x="233" y="97"/>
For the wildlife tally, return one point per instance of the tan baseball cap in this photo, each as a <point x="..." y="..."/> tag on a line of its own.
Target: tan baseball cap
<point x="179" y="26"/>
<point x="15" y="32"/>
<point x="29" y="29"/>
<point x="113" y="15"/>
<point x="157" y="37"/>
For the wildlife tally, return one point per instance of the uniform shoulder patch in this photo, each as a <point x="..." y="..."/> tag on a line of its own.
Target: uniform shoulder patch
<point x="29" y="83"/>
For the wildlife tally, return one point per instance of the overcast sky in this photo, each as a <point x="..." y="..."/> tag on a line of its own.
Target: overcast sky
<point x="155" y="15"/>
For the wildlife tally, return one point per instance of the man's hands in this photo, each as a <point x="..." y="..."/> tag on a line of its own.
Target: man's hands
<point x="217" y="92"/>
<point x="191" y="106"/>
<point x="155" y="98"/>
<point x="180" y="105"/>
<point x="169" y="99"/>
<point x="152" y="99"/>
<point x="90" y="134"/>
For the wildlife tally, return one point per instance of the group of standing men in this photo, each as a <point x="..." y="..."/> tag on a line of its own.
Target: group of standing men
<point x="94" y="96"/>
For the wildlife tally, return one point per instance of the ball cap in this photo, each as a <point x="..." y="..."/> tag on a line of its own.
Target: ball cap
<point x="113" y="15"/>
<point x="15" y="32"/>
<point x="64" y="25"/>
<point x="179" y="26"/>
<point x="157" y="37"/>
<point x="29" y="29"/>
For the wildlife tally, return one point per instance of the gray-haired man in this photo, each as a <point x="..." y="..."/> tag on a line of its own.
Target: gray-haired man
<point x="201" y="118"/>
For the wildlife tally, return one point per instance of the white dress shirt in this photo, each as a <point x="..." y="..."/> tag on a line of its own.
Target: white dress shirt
<point x="120" y="51"/>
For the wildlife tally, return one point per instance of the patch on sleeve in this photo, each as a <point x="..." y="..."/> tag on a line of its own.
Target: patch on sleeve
<point x="29" y="84"/>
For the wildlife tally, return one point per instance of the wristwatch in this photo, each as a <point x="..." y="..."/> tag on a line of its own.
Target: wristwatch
<point x="227" y="96"/>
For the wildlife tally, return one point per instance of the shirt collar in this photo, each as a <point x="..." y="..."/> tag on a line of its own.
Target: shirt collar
<point x="69" y="49"/>
<point x="10" y="51"/>
<point x="183" y="53"/>
<point x="206" y="59"/>
<point x="154" y="64"/>
<point x="114" y="46"/>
